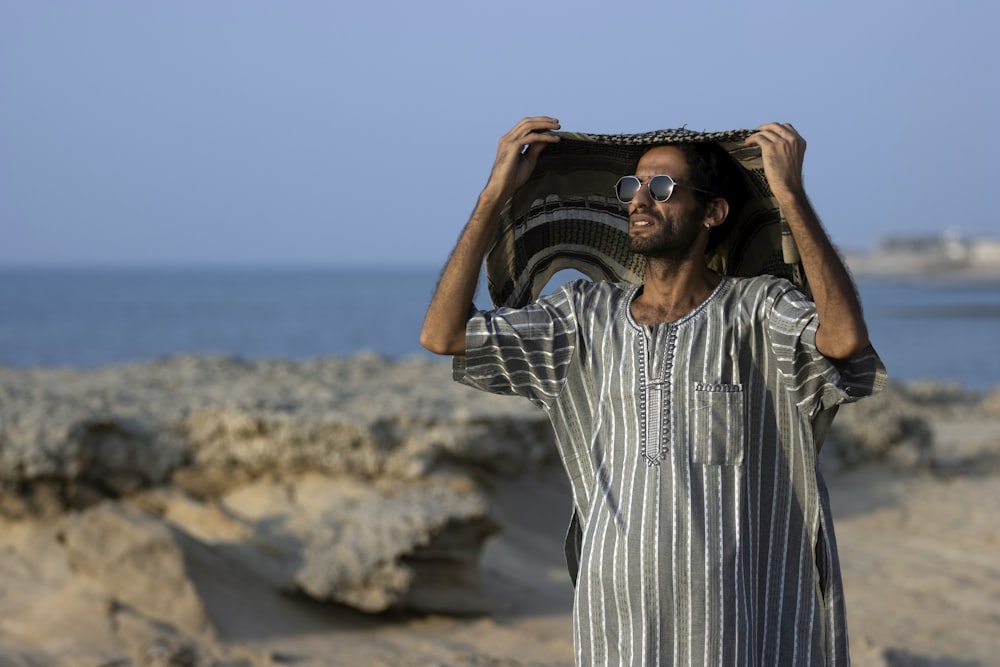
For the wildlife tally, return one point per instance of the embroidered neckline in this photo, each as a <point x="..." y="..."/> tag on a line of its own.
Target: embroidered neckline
<point x="724" y="282"/>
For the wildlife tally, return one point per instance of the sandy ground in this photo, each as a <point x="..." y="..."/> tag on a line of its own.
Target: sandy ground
<point x="920" y="553"/>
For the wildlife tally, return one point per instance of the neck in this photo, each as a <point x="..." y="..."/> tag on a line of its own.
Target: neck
<point x="672" y="290"/>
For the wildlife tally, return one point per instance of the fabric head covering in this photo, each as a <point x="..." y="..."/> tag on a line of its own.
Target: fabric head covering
<point x="566" y="216"/>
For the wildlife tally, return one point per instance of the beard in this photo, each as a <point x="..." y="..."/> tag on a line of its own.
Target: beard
<point x="672" y="239"/>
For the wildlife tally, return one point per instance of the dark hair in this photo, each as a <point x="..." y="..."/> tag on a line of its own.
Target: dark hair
<point x="707" y="162"/>
<point x="710" y="168"/>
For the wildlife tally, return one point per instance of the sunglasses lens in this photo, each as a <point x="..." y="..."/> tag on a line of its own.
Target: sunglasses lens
<point x="627" y="188"/>
<point x="661" y="187"/>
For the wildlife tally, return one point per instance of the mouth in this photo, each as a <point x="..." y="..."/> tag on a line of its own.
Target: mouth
<point x="638" y="223"/>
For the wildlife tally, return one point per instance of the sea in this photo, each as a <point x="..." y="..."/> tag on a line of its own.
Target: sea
<point x="924" y="329"/>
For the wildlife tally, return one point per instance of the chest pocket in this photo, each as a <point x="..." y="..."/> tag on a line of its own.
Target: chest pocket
<point x="717" y="420"/>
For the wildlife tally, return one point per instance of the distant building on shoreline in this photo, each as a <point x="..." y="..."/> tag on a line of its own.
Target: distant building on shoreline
<point x="928" y="255"/>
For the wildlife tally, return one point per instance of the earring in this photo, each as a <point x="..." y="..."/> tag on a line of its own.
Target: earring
<point x="708" y="226"/>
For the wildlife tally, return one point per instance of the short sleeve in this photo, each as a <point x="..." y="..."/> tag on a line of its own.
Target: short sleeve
<point x="818" y="381"/>
<point x="521" y="351"/>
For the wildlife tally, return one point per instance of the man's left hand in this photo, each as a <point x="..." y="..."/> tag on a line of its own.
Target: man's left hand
<point x="783" y="151"/>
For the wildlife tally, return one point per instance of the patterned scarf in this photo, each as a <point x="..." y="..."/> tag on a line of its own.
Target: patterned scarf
<point x="567" y="217"/>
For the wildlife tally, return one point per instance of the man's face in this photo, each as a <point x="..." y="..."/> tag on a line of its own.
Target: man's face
<point x="669" y="229"/>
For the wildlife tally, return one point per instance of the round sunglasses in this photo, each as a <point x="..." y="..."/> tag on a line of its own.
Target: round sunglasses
<point x="661" y="187"/>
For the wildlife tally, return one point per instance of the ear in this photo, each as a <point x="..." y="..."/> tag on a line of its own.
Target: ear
<point x="716" y="212"/>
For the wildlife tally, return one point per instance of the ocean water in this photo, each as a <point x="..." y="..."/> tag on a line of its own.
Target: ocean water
<point x="946" y="331"/>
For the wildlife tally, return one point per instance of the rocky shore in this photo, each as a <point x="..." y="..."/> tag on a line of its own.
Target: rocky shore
<point x="223" y="512"/>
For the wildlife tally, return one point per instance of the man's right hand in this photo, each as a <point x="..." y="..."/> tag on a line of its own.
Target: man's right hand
<point x="517" y="155"/>
<point x="448" y="313"/>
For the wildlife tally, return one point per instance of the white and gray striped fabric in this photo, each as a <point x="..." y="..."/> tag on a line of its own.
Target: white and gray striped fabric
<point x="705" y="529"/>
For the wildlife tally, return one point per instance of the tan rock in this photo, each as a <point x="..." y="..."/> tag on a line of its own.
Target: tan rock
<point x="135" y="558"/>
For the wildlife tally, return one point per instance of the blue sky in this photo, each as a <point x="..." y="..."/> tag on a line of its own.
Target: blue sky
<point x="333" y="133"/>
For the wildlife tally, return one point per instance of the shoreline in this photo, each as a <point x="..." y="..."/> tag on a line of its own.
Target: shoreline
<point x="376" y="358"/>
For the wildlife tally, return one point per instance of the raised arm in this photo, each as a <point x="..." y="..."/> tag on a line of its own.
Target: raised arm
<point x="517" y="153"/>
<point x="842" y="331"/>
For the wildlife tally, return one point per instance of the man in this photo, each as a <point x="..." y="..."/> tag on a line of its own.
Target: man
<point x="685" y="411"/>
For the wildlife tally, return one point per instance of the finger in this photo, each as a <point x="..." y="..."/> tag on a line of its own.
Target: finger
<point x="787" y="130"/>
<point x="522" y="142"/>
<point x="543" y="137"/>
<point x="538" y="134"/>
<point x="534" y="149"/>
<point x="780" y="128"/>
<point x="525" y="142"/>
<point x="761" y="138"/>
<point x="539" y="121"/>
<point x="784" y="131"/>
<point x="775" y="135"/>
<point x="533" y="124"/>
<point x="526" y="133"/>
<point x="762" y="133"/>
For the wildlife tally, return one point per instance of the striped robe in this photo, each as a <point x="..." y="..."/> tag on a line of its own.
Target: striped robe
<point x="704" y="529"/>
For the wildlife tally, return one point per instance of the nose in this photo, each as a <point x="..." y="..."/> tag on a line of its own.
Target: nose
<point x="642" y="198"/>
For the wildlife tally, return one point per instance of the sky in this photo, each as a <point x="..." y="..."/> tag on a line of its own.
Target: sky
<point x="243" y="132"/>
